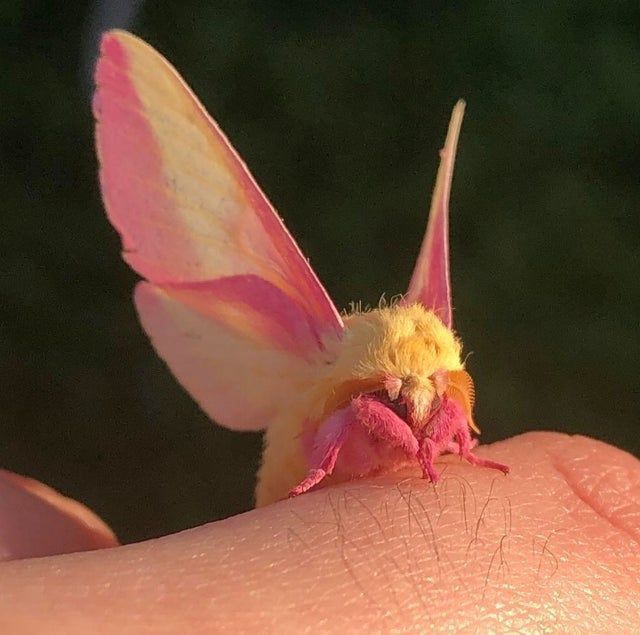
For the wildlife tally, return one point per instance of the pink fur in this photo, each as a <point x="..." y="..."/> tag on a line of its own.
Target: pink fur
<point x="383" y="424"/>
<point x="325" y="448"/>
<point x="361" y="438"/>
<point x="448" y="423"/>
<point x="366" y="434"/>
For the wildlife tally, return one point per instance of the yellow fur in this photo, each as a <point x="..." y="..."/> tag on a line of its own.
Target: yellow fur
<point x="407" y="342"/>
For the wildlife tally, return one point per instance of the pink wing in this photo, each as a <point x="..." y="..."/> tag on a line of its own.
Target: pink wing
<point x="225" y="278"/>
<point x="223" y="354"/>
<point x="430" y="283"/>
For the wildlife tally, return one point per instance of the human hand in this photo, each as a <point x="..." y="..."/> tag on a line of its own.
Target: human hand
<point x="551" y="546"/>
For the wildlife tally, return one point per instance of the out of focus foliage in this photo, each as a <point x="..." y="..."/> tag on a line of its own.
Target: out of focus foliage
<point x="339" y="113"/>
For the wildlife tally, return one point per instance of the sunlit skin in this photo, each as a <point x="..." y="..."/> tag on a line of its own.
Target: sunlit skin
<point x="551" y="548"/>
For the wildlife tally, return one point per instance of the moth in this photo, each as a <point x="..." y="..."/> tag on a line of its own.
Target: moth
<point x="235" y="310"/>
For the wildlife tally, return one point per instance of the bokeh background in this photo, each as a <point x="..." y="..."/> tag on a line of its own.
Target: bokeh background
<point x="339" y="112"/>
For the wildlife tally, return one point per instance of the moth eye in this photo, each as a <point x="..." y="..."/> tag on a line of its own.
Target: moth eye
<point x="440" y="380"/>
<point x="393" y="386"/>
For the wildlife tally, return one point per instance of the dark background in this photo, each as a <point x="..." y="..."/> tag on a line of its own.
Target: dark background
<point x="339" y="113"/>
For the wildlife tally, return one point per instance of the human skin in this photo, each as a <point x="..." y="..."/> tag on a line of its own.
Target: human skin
<point x="551" y="546"/>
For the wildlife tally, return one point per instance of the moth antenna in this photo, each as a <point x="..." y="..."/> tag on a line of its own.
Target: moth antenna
<point x="396" y="299"/>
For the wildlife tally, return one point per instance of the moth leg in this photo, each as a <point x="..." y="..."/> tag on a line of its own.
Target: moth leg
<point x="328" y="441"/>
<point x="453" y="447"/>
<point x="426" y="456"/>
<point x="465" y="442"/>
<point x="313" y="477"/>
<point x="384" y="424"/>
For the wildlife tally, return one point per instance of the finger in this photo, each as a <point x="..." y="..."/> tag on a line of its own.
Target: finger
<point x="553" y="545"/>
<point x="35" y="520"/>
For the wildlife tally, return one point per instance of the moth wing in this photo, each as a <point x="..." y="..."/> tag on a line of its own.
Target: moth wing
<point x="240" y="363"/>
<point x="430" y="283"/>
<point x="183" y="201"/>
<point x="231" y="304"/>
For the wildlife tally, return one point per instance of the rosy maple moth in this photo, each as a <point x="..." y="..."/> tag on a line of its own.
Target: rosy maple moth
<point x="238" y="314"/>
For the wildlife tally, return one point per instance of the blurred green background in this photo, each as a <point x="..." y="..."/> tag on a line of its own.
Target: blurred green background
<point x="339" y="112"/>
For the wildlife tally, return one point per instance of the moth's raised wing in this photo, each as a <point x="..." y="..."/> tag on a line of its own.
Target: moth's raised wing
<point x="184" y="203"/>
<point x="430" y="283"/>
<point x="190" y="215"/>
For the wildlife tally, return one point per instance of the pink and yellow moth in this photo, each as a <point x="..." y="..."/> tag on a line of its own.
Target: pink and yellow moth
<point x="239" y="316"/>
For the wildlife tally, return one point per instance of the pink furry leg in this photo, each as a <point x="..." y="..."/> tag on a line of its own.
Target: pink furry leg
<point x="466" y="444"/>
<point x="453" y="447"/>
<point x="384" y="424"/>
<point x="314" y="476"/>
<point x="426" y="456"/>
<point x="440" y="431"/>
<point x="327" y="443"/>
<point x="447" y="422"/>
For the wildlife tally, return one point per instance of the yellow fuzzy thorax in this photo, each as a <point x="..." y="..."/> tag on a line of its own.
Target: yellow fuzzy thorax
<point x="399" y="340"/>
<point x="403" y="341"/>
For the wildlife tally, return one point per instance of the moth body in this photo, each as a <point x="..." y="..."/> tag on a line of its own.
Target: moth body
<point x="382" y="403"/>
<point x="235" y="310"/>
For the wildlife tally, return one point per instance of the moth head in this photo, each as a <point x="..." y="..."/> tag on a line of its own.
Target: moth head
<point x="404" y="355"/>
<point x="417" y="400"/>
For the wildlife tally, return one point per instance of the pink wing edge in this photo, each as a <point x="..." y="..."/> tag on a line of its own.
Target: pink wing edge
<point x="430" y="282"/>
